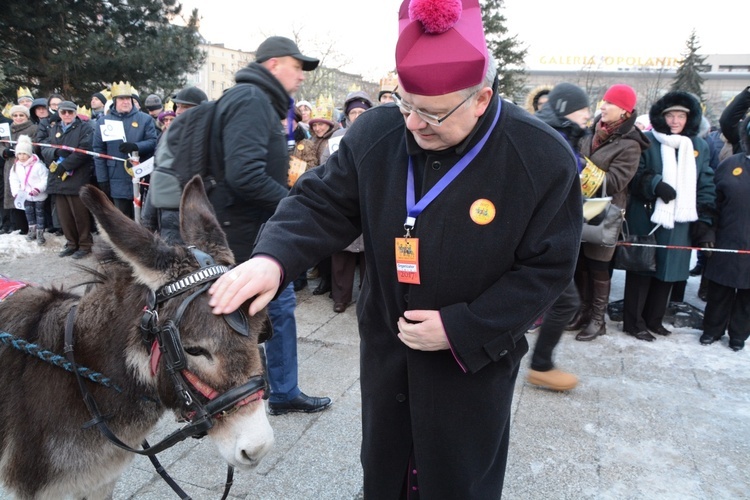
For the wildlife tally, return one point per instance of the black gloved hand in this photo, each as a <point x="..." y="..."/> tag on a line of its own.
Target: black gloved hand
<point x="63" y="153"/>
<point x="707" y="245"/>
<point x="128" y="147"/>
<point x="104" y="186"/>
<point x="665" y="192"/>
<point x="7" y="153"/>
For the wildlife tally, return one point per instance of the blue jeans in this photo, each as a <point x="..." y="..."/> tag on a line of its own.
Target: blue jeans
<point x="281" y="350"/>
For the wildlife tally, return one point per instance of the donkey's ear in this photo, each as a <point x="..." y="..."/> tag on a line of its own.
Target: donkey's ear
<point x="150" y="258"/>
<point x="198" y="223"/>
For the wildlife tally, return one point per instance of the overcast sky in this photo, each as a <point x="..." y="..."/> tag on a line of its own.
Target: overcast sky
<point x="365" y="40"/>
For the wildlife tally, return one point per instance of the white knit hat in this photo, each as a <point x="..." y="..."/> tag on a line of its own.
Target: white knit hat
<point x="24" y="145"/>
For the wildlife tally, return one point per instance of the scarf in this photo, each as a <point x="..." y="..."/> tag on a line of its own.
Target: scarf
<point x="603" y="131"/>
<point x="679" y="171"/>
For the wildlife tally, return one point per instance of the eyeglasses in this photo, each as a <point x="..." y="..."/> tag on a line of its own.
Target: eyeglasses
<point x="433" y="120"/>
<point x="66" y="112"/>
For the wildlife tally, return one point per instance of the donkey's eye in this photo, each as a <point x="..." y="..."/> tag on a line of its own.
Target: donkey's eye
<point x="198" y="351"/>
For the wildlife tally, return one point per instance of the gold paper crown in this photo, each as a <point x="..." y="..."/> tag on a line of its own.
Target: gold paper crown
<point x="388" y="83"/>
<point x="121" y="89"/>
<point x="323" y="109"/>
<point x="24" y="92"/>
<point x="169" y="106"/>
<point x="83" y="110"/>
<point x="354" y="88"/>
<point x="6" y="109"/>
<point x="107" y="94"/>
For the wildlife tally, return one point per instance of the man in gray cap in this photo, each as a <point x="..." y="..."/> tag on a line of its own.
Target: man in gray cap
<point x="253" y="180"/>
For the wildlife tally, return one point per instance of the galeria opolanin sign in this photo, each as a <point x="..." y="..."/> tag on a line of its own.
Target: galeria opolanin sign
<point x="611" y="61"/>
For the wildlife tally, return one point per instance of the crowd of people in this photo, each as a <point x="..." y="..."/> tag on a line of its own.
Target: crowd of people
<point x="443" y="307"/>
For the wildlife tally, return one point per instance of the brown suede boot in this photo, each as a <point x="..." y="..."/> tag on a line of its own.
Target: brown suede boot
<point x="598" y="324"/>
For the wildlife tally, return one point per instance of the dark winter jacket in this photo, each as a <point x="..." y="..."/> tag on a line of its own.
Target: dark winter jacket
<point x="139" y="128"/>
<point x="489" y="273"/>
<point x="618" y="156"/>
<point x="255" y="160"/>
<point x="731" y="117"/>
<point x="733" y="207"/>
<point x="672" y="265"/>
<point x="78" y="166"/>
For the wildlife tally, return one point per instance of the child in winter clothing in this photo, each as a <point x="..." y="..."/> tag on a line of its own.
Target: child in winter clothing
<point x="28" y="179"/>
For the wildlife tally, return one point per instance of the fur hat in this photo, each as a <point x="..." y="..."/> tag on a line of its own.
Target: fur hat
<point x="532" y="98"/>
<point x="24" y="145"/>
<point x="441" y="46"/>
<point x="18" y="108"/>
<point x="672" y="100"/>
<point x="621" y="95"/>
<point x="566" y="98"/>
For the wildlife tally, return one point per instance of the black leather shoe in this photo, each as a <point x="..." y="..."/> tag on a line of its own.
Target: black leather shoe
<point x="299" y="284"/>
<point x="660" y="330"/>
<point x="707" y="339"/>
<point x="80" y="254"/>
<point x="697" y="270"/>
<point x="67" y="251"/>
<point x="644" y="335"/>
<point x="736" y="345"/>
<point x="323" y="287"/>
<point x="301" y="404"/>
<point x="339" y="307"/>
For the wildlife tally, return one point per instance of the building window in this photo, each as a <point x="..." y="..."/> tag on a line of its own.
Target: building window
<point x="213" y="66"/>
<point x="213" y="84"/>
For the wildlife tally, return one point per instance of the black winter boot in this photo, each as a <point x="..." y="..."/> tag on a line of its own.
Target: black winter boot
<point x="583" y="316"/>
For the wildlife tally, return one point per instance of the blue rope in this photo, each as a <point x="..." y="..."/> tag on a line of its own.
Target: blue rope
<point x="55" y="359"/>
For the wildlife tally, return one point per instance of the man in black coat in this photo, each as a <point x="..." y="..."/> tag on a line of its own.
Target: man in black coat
<point x="252" y="180"/>
<point x="68" y="172"/>
<point x="471" y="214"/>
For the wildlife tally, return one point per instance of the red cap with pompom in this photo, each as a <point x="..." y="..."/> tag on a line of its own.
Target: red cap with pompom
<point x="441" y="46"/>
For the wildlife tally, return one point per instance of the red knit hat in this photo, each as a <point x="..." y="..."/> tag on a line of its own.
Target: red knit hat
<point x="441" y="46"/>
<point x="621" y="95"/>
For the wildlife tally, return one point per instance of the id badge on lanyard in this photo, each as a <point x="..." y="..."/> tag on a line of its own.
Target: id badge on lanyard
<point x="407" y="248"/>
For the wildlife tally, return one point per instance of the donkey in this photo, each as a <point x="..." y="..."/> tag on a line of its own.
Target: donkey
<point x="142" y="285"/>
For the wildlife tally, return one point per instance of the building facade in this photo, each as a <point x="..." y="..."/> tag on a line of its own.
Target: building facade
<point x="725" y="76"/>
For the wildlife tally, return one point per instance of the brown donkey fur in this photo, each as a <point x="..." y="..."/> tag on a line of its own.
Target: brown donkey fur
<point x="44" y="451"/>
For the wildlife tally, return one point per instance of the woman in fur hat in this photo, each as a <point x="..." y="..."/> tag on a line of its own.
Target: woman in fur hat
<point x="673" y="191"/>
<point x="13" y="218"/>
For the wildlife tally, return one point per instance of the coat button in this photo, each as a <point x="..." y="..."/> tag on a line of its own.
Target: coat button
<point x="503" y="353"/>
<point x="436" y="165"/>
<point x="406" y="298"/>
<point x="400" y="398"/>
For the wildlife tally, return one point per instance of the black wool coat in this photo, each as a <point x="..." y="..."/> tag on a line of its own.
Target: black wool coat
<point x="79" y="166"/>
<point x="489" y="278"/>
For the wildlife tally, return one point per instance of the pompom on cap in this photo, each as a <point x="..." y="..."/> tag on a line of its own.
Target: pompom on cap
<point x="431" y="62"/>
<point x="437" y="16"/>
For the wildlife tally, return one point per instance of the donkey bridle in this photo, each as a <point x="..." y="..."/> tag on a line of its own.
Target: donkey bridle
<point x="201" y="407"/>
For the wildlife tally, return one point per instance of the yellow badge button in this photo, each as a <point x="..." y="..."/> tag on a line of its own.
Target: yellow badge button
<point x="737" y="171"/>
<point x="58" y="134"/>
<point x="482" y="212"/>
<point x="695" y="153"/>
<point x="300" y="147"/>
<point x="134" y="124"/>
